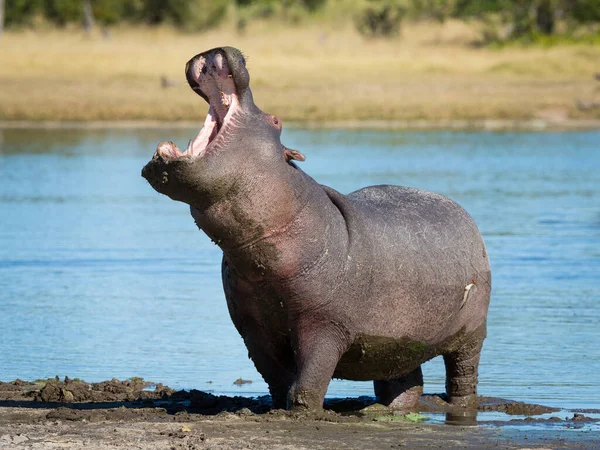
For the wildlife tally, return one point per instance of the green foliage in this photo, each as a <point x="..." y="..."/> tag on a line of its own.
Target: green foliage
<point x="471" y="8"/>
<point x="529" y="17"/>
<point x="313" y="5"/>
<point x="190" y="15"/>
<point x="380" y="18"/>
<point x="520" y="20"/>
<point x="439" y="10"/>
<point x="134" y="10"/>
<point x="108" y="12"/>
<point x="21" y="12"/>
<point x="62" y="12"/>
<point x="585" y="10"/>
<point x="528" y="21"/>
<point x="196" y="15"/>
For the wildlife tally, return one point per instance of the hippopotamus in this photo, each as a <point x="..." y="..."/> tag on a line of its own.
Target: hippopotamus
<point x="321" y="285"/>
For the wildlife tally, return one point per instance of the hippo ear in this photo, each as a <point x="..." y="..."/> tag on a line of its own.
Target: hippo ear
<point x="292" y="154"/>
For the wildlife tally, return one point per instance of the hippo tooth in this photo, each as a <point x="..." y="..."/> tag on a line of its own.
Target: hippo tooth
<point x="224" y="99"/>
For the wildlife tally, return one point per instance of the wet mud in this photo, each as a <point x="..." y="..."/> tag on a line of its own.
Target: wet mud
<point x="74" y="414"/>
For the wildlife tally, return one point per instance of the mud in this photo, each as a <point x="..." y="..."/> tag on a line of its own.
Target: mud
<point x="72" y="414"/>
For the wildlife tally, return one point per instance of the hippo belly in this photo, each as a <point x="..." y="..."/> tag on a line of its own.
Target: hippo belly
<point x="382" y="358"/>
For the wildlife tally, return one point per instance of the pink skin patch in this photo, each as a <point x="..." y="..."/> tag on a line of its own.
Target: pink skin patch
<point x="215" y="81"/>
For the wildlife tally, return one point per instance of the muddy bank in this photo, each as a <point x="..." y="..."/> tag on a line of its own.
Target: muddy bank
<point x="76" y="395"/>
<point x="70" y="414"/>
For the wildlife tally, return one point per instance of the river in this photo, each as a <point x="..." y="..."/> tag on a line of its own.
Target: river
<point x="102" y="277"/>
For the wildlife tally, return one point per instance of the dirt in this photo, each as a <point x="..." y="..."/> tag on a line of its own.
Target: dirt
<point x="73" y="414"/>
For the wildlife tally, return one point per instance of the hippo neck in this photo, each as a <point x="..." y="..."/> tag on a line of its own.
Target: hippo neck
<point x="279" y="233"/>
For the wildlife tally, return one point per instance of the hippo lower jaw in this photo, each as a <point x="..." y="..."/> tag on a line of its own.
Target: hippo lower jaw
<point x="212" y="80"/>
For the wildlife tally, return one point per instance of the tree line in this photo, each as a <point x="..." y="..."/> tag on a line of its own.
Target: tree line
<point x="505" y="19"/>
<point x="372" y="17"/>
<point x="193" y="15"/>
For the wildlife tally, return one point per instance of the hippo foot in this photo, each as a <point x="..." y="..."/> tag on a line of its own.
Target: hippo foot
<point x="462" y="366"/>
<point x="304" y="400"/>
<point x="400" y="393"/>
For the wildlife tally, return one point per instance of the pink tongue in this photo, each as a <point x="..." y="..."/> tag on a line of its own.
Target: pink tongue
<point x="199" y="143"/>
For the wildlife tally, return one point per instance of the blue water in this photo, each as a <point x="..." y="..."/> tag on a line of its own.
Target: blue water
<point x="102" y="277"/>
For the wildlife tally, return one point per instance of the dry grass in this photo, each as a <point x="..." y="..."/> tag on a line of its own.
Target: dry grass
<point x="310" y="73"/>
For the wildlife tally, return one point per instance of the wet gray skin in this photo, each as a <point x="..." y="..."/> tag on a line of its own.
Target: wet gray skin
<point x="364" y="286"/>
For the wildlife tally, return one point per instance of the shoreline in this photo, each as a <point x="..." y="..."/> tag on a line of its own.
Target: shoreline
<point x="73" y="414"/>
<point x="372" y="125"/>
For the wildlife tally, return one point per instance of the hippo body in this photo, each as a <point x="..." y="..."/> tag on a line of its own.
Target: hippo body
<point x="365" y="286"/>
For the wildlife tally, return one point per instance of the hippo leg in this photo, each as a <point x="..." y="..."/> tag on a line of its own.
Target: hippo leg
<point x="316" y="360"/>
<point x="279" y="381"/>
<point x="279" y="395"/>
<point x="403" y="392"/>
<point x="462" y="366"/>
<point x="277" y="377"/>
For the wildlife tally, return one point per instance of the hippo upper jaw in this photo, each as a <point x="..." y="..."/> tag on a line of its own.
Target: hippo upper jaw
<point x="237" y="137"/>
<point x="218" y="76"/>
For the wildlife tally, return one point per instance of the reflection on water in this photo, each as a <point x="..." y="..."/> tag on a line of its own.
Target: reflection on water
<point x="461" y="418"/>
<point x="102" y="277"/>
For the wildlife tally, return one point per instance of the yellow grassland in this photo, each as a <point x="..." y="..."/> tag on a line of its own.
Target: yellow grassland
<point x="314" y="73"/>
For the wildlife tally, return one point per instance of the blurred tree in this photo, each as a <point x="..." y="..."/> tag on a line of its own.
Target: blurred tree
<point x="471" y="8"/>
<point x="530" y="17"/>
<point x="583" y="10"/>
<point x="88" y="16"/>
<point x="527" y="18"/>
<point x="132" y="10"/>
<point x="439" y="10"/>
<point x="110" y="12"/>
<point x="522" y="18"/>
<point x="196" y="15"/>
<point x="545" y="16"/>
<point x="21" y="12"/>
<point x="62" y="12"/>
<point x="154" y="11"/>
<point x="1" y="17"/>
<point x="313" y="5"/>
<point x="380" y="18"/>
<point x="191" y="15"/>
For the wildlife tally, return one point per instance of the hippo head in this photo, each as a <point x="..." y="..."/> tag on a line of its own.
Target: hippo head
<point x="237" y="142"/>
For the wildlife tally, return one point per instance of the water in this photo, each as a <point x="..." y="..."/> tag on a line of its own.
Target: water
<point x="102" y="277"/>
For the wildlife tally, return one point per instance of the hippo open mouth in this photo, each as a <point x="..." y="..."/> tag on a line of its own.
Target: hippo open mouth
<point x="210" y="77"/>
